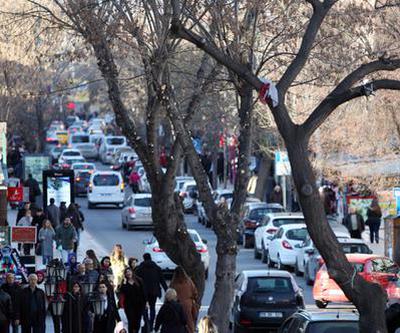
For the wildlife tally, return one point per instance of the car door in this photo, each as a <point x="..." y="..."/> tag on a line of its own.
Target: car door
<point x="258" y="233"/>
<point x="239" y="280"/>
<point x="274" y="246"/>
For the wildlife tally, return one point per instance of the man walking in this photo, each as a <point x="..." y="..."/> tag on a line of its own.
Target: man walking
<point x="153" y="279"/>
<point x="34" y="188"/>
<point x="14" y="290"/>
<point x="53" y="214"/>
<point x="354" y="223"/>
<point x="65" y="238"/>
<point x="5" y="311"/>
<point x="33" y="307"/>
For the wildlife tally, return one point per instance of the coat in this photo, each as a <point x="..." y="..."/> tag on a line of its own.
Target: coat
<point x="134" y="302"/>
<point x="66" y="237"/>
<point x="171" y="318"/>
<point x="53" y="214"/>
<point x="75" y="317"/>
<point x="373" y="218"/>
<point x="25" y="221"/>
<point x="107" y="322"/>
<point x="187" y="297"/>
<point x="14" y="290"/>
<point x="46" y="238"/>
<point x="152" y="277"/>
<point x="360" y="223"/>
<point x="27" y="314"/>
<point x="6" y="311"/>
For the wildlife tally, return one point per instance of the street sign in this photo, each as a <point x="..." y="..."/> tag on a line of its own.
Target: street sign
<point x="282" y="164"/>
<point x="23" y="234"/>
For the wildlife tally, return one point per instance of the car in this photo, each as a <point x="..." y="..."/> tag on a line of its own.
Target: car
<point x="55" y="153"/>
<point x="189" y="195"/>
<point x="62" y="136"/>
<point x="218" y="196"/>
<point x="68" y="161"/>
<point x="88" y="167"/>
<point x="81" y="141"/>
<point x="74" y="129"/>
<point x="108" y="145"/>
<point x="118" y="156"/>
<point x="166" y="264"/>
<point x="321" y="322"/>
<point x="68" y="153"/>
<point x="253" y="213"/>
<point x="70" y="120"/>
<point x="96" y="140"/>
<point x="106" y="187"/>
<point x="373" y="268"/>
<point x="137" y="212"/>
<point x="263" y="299"/>
<point x="313" y="260"/>
<point x="281" y="250"/>
<point x="82" y="180"/>
<point x="268" y="227"/>
<point x="129" y="156"/>
<point x="180" y="181"/>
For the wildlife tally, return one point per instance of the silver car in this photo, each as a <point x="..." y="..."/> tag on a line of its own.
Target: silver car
<point x="137" y="212"/>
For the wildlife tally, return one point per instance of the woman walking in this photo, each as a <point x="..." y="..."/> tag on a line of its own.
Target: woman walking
<point x="187" y="296"/>
<point x="118" y="264"/>
<point x="106" y="322"/>
<point x="374" y="216"/>
<point x="132" y="297"/>
<point x="46" y="238"/>
<point x="92" y="255"/>
<point x="171" y="317"/>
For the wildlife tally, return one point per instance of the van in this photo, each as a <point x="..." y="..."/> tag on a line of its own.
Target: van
<point x="106" y="187"/>
<point x="108" y="146"/>
<point x="81" y="141"/>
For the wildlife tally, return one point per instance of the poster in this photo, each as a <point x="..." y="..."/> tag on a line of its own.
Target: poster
<point x="387" y="202"/>
<point x="58" y="185"/>
<point x="396" y="193"/>
<point x="23" y="235"/>
<point x="35" y="165"/>
<point x="361" y="204"/>
<point x="282" y="164"/>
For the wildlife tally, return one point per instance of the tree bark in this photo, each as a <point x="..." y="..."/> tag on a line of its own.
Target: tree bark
<point x="263" y="174"/>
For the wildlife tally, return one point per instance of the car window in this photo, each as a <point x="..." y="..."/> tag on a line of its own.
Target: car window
<point x="143" y="202"/>
<point x="191" y="188"/>
<point x="269" y="284"/>
<point x="106" y="180"/>
<point x="195" y="237"/>
<point x="333" y="327"/>
<point x="227" y="196"/>
<point x="115" y="141"/>
<point x="258" y="213"/>
<point x="72" y="153"/>
<point x="84" y="174"/>
<point x="279" y="234"/>
<point x="280" y="222"/>
<point x="355" y="248"/>
<point x="391" y="266"/>
<point x="297" y="234"/>
<point x="80" y="139"/>
<point x="378" y="266"/>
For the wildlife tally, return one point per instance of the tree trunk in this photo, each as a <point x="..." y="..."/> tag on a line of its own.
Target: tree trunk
<point x="263" y="174"/>
<point x="359" y="291"/>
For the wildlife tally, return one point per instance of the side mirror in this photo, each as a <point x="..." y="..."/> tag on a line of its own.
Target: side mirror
<point x="393" y="278"/>
<point x="204" y="241"/>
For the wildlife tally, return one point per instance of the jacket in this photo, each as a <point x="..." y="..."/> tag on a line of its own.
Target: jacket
<point x="373" y="217"/>
<point x="6" y="312"/>
<point x="134" y="296"/>
<point x="66" y="237"/>
<point x="46" y="238"/>
<point x="360" y="223"/>
<point x="14" y="290"/>
<point x="25" y="221"/>
<point x="53" y="214"/>
<point x="171" y="318"/>
<point x="27" y="313"/>
<point x="152" y="277"/>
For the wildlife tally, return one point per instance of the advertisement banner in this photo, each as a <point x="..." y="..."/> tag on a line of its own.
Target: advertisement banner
<point x="58" y="185"/>
<point x="387" y="202"/>
<point x="396" y="193"/>
<point x="361" y="204"/>
<point x="282" y="164"/>
<point x="10" y="262"/>
<point x="34" y="165"/>
<point x="23" y="235"/>
<point x="15" y="194"/>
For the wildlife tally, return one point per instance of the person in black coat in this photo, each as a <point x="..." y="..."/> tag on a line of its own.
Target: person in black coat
<point x="374" y="216"/>
<point x="153" y="280"/>
<point x="14" y="290"/>
<point x="33" y="307"/>
<point x="5" y="311"/>
<point x="106" y="323"/>
<point x="132" y="298"/>
<point x="171" y="317"/>
<point x="75" y="315"/>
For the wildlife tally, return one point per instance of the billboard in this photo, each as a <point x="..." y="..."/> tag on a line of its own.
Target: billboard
<point x="23" y="235"/>
<point x="58" y="185"/>
<point x="35" y="165"/>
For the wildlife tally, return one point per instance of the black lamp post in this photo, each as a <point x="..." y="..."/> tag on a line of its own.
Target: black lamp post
<point x="98" y="304"/>
<point x="57" y="305"/>
<point x="87" y="288"/>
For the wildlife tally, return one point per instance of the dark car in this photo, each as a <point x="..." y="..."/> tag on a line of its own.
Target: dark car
<point x="253" y="213"/>
<point x="264" y="299"/>
<point x="82" y="179"/>
<point x="321" y="322"/>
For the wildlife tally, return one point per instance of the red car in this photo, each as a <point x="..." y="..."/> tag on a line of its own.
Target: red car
<point x="373" y="268"/>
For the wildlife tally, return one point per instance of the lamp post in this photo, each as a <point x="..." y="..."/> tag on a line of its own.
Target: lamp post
<point x="98" y="304"/>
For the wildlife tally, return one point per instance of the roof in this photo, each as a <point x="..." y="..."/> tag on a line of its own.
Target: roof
<point x="328" y="316"/>
<point x="286" y="215"/>
<point x="266" y="273"/>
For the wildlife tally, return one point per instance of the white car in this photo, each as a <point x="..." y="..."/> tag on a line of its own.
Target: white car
<point x="55" y="153"/>
<point x="91" y="167"/>
<point x="118" y="152"/>
<point x="180" y="181"/>
<point x="188" y="194"/>
<point x="218" y="196"/>
<point x="267" y="229"/>
<point x="282" y="249"/>
<point x="68" y="154"/>
<point x="137" y="212"/>
<point x="106" y="187"/>
<point x="165" y="263"/>
<point x="108" y="146"/>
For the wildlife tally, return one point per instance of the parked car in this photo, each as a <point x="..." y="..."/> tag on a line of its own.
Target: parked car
<point x="189" y="195"/>
<point x="88" y="167"/>
<point x="166" y="264"/>
<point x="82" y="180"/>
<point x="263" y="299"/>
<point x="108" y="145"/>
<point x="321" y="322"/>
<point x="268" y="227"/>
<point x="312" y="261"/>
<point x="67" y="154"/>
<point x="55" y="153"/>
<point x="281" y="250"/>
<point x="253" y="213"/>
<point x="106" y="187"/>
<point x="81" y="141"/>
<point x="218" y="196"/>
<point x="373" y="268"/>
<point x="137" y="212"/>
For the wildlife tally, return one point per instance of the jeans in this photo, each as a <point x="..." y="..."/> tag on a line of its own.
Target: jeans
<point x="152" y="300"/>
<point x="374" y="232"/>
<point x="46" y="259"/>
<point x="15" y="328"/>
<point x="64" y="255"/>
<point x="78" y="237"/>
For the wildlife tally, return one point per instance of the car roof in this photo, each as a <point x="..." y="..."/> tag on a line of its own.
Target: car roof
<point x="286" y="215"/>
<point x="293" y="226"/>
<point x="351" y="241"/>
<point x="223" y="191"/>
<point x="141" y="195"/>
<point x="79" y="133"/>
<point x="266" y="273"/>
<point x="105" y="173"/>
<point x="71" y="150"/>
<point x="328" y="316"/>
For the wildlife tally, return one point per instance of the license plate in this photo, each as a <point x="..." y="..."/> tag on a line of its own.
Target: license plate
<point x="271" y="315"/>
<point x="105" y="194"/>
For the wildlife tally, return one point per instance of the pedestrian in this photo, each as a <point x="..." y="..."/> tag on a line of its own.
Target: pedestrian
<point x="92" y="255"/>
<point x="74" y="216"/>
<point x="134" y="179"/>
<point x="75" y="315"/>
<point x="118" y="264"/>
<point x="187" y="296"/>
<point x="53" y="213"/>
<point x="34" y="188"/>
<point x="153" y="279"/>
<point x="46" y="239"/>
<point x="37" y="220"/>
<point x="354" y="223"/>
<point x="65" y="239"/>
<point x="63" y="211"/>
<point x="171" y="317"/>
<point x="132" y="263"/>
<point x="80" y="275"/>
<point x="276" y="196"/>
<point x="133" y="299"/>
<point x="92" y="275"/>
<point x="206" y="325"/>
<point x="6" y="311"/>
<point x="105" y="266"/>
<point x="33" y="307"/>
<point x="72" y="265"/>
<point x="106" y="322"/>
<point x="374" y="215"/>
<point x="14" y="290"/>
<point x="21" y="212"/>
<point x="25" y="221"/>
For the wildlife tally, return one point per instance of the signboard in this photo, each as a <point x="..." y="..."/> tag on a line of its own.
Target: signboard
<point x="15" y="194"/>
<point x="396" y="193"/>
<point x="361" y="204"/>
<point x="387" y="202"/>
<point x="58" y="185"/>
<point x="35" y="165"/>
<point x="282" y="164"/>
<point x="23" y="234"/>
<point x="4" y="236"/>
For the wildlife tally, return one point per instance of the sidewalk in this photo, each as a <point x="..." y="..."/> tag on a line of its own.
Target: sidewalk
<point x="376" y="248"/>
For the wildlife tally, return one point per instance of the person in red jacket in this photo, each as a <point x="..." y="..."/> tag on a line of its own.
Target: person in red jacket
<point x="134" y="179"/>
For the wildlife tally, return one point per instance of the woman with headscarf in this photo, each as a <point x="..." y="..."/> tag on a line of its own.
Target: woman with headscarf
<point x="118" y="262"/>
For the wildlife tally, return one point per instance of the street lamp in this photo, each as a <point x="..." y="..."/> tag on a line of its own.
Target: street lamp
<point x="87" y="288"/>
<point x="50" y="287"/>
<point x="98" y="304"/>
<point x="57" y="305"/>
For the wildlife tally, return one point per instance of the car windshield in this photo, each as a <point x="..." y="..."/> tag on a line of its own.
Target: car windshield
<point x="84" y="174"/>
<point x="83" y="166"/>
<point x="192" y="188"/>
<point x="333" y="327"/>
<point x="355" y="248"/>
<point x="297" y="234"/>
<point x="106" y="180"/>
<point x="80" y="139"/>
<point x="72" y="153"/>
<point x="279" y="222"/>
<point x="195" y="237"/>
<point x="73" y="160"/>
<point x="142" y="202"/>
<point x="115" y="141"/>
<point x="269" y="284"/>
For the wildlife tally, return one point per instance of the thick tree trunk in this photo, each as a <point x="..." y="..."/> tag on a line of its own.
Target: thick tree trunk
<point x="263" y="174"/>
<point x="369" y="298"/>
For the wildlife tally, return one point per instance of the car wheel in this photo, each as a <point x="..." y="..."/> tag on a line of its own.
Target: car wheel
<point x="321" y="304"/>
<point x="257" y="255"/>
<point x="263" y="254"/>
<point x="296" y="269"/>
<point x="270" y="263"/>
<point x="123" y="225"/>
<point x="309" y="282"/>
